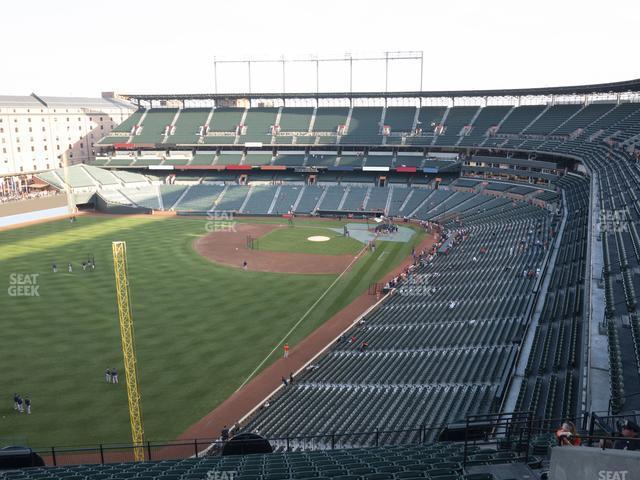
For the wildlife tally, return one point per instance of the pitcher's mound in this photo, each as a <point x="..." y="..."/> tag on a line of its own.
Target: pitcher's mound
<point x="318" y="238"/>
<point x="230" y="248"/>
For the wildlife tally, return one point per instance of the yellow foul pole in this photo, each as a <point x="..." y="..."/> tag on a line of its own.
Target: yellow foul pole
<point x="128" y="347"/>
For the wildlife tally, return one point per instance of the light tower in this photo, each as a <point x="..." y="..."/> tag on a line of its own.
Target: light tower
<point x="128" y="347"/>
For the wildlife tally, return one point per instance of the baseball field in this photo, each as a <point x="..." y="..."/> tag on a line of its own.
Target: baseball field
<point x="202" y="325"/>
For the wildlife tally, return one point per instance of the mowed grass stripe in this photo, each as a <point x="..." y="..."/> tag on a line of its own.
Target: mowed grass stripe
<point x="200" y="327"/>
<point x="294" y="239"/>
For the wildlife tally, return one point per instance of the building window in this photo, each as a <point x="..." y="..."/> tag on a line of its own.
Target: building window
<point x="45" y="149"/>
<point x="18" y="149"/>
<point x="33" y="149"/>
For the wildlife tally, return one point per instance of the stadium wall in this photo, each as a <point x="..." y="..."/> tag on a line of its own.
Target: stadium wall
<point x="50" y="213"/>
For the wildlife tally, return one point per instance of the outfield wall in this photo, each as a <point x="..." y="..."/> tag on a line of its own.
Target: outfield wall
<point x="12" y="220"/>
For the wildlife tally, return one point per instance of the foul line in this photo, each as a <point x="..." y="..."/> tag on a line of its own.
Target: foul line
<point x="306" y="314"/>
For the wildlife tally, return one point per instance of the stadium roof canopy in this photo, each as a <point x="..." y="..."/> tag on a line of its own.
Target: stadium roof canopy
<point x="604" y="88"/>
<point x="39" y="101"/>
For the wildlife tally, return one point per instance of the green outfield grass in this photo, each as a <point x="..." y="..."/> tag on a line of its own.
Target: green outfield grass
<point x="294" y="239"/>
<point x="191" y="357"/>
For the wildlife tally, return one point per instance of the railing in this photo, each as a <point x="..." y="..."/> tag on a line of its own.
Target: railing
<point x="118" y="453"/>
<point x="502" y="432"/>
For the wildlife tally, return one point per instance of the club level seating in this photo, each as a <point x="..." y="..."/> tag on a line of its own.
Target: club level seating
<point x="220" y="140"/>
<point x="112" y="139"/>
<point x="379" y="161"/>
<point x="258" y="159"/>
<point x="321" y="160"/>
<point x="351" y="160"/>
<point x="229" y="158"/>
<point x="290" y="159"/>
<point x="409" y="160"/>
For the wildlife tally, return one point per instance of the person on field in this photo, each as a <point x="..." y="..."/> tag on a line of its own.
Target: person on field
<point x="54" y="267"/>
<point x="286" y="350"/>
<point x="70" y="268"/>
<point x="27" y="403"/>
<point x="291" y="378"/>
<point x="107" y="375"/>
<point x="245" y="265"/>
<point x="284" y="381"/>
<point x="20" y="408"/>
<point x="15" y="401"/>
<point x="114" y="375"/>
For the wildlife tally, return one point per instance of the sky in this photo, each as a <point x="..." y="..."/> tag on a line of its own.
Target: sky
<point x="82" y="48"/>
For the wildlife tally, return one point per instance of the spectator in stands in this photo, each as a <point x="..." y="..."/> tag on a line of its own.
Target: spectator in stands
<point x="284" y="382"/>
<point x="224" y="435"/>
<point x="107" y="375"/>
<point x="291" y="378"/>
<point x="114" y="375"/>
<point x="567" y="435"/>
<point x="629" y="440"/>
